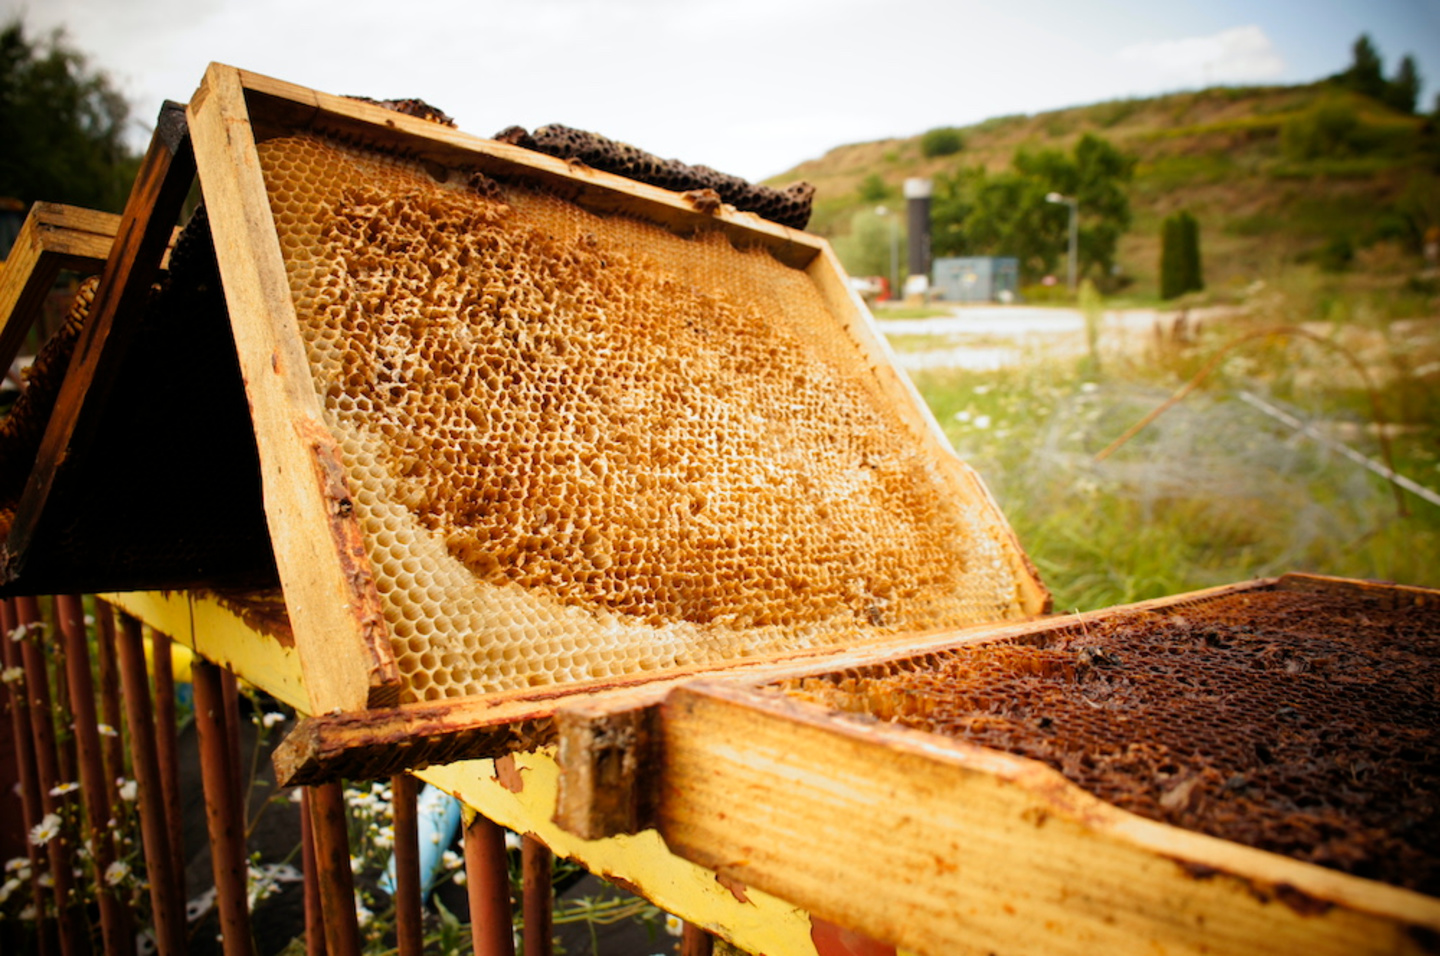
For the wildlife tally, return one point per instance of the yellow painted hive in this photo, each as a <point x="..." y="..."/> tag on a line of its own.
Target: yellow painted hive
<point x="585" y="447"/>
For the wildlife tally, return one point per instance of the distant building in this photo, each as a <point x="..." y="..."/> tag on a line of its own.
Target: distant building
<point x="977" y="278"/>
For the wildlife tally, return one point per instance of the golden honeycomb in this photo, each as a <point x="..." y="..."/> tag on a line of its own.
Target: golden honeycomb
<point x="583" y="447"/>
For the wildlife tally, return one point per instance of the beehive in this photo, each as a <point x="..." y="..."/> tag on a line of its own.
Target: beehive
<point x="1301" y="721"/>
<point x="584" y="447"/>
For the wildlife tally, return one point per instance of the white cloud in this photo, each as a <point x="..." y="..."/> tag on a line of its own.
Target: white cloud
<point x="1238" y="55"/>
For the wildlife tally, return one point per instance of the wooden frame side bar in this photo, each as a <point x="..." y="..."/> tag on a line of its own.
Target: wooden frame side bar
<point x="280" y="107"/>
<point x="53" y="237"/>
<point x="330" y="590"/>
<point x="981" y="851"/>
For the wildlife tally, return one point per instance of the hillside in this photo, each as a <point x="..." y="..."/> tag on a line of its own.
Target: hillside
<point x="1277" y="176"/>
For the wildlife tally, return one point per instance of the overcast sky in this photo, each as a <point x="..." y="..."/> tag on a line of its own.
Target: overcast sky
<point x="751" y="87"/>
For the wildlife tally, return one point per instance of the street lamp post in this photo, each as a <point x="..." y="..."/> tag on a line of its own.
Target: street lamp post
<point x="1074" y="205"/>
<point x="883" y="212"/>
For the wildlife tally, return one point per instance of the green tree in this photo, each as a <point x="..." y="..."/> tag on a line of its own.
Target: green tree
<point x="1180" y="270"/>
<point x="1404" y="90"/>
<point x="978" y="213"/>
<point x="1366" y="73"/>
<point x="941" y="141"/>
<point x="873" y="189"/>
<point x="61" y="125"/>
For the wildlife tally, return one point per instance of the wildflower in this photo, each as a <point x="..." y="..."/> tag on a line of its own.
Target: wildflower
<point x="60" y="789"/>
<point x="28" y="913"/>
<point x="513" y="841"/>
<point x="116" y="873"/>
<point x="355" y="864"/>
<point x="673" y="925"/>
<point x="18" y="633"/>
<point x="450" y="859"/>
<point x="107" y="731"/>
<point x="296" y="795"/>
<point x="129" y="790"/>
<point x="46" y="830"/>
<point x="16" y="863"/>
<point x="8" y="887"/>
<point x="982" y="421"/>
<point x="46" y="879"/>
<point x="362" y="915"/>
<point x="11" y="675"/>
<point x="459" y="877"/>
<point x="272" y="719"/>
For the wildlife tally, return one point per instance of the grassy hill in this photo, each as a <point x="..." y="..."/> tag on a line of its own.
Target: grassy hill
<point x="1278" y="177"/>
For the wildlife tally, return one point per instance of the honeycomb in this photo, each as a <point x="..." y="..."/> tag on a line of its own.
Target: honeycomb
<point x="789" y="206"/>
<point x="23" y="428"/>
<point x="1301" y="723"/>
<point x="582" y="448"/>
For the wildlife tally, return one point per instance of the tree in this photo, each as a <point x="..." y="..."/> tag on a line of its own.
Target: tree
<point x="1402" y="91"/>
<point x="978" y="213"/>
<point x="941" y="141"/>
<point x="1180" y="256"/>
<point x="1366" y="73"/>
<point x="62" y="125"/>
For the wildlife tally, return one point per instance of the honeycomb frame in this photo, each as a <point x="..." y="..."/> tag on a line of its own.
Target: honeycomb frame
<point x="349" y="291"/>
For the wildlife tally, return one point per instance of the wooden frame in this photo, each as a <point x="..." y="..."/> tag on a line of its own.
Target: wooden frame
<point x="981" y="851"/>
<point x="341" y="636"/>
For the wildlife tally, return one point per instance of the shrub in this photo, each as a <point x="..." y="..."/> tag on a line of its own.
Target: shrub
<point x="941" y="141"/>
<point x="1180" y="270"/>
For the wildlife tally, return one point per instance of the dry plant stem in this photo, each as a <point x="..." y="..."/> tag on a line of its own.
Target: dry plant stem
<point x="332" y="869"/>
<point x="536" y="864"/>
<point x="167" y="748"/>
<point x="409" y="932"/>
<point x="1376" y="414"/>
<point x="167" y="898"/>
<point x="314" y="919"/>
<point x="37" y="689"/>
<point x="110" y="706"/>
<point x="223" y="816"/>
<point x="487" y="883"/>
<point x="25" y="759"/>
<point x="117" y="925"/>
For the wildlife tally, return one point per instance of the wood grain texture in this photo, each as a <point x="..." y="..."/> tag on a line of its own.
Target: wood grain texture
<point x="940" y="847"/>
<point x="53" y="237"/>
<point x="285" y="107"/>
<point x="330" y="594"/>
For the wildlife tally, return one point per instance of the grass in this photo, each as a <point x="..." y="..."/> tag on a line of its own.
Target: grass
<point x="1211" y="493"/>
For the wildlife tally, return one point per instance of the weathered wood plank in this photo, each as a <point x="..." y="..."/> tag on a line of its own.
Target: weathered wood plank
<point x="281" y="106"/>
<point x="381" y="742"/>
<point x="53" y="237"/>
<point x="143" y="234"/>
<point x="329" y="589"/>
<point x="940" y="847"/>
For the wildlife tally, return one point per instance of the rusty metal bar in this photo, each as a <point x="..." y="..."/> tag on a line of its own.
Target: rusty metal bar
<point x="167" y="748"/>
<point x="167" y="898"/>
<point x="314" y="918"/>
<point x="117" y="925"/>
<point x="110" y="705"/>
<point x="487" y="882"/>
<point x="64" y="715"/>
<point x="409" y="931"/>
<point x="223" y="816"/>
<point x="695" y="941"/>
<point x="332" y="866"/>
<point x="74" y="928"/>
<point x="30" y="806"/>
<point x="230" y="690"/>
<point x="536" y="864"/>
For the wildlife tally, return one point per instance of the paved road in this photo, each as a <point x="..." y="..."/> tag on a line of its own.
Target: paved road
<point x="1006" y="335"/>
